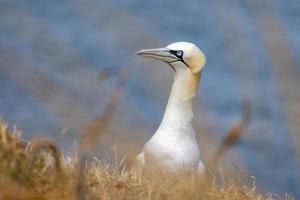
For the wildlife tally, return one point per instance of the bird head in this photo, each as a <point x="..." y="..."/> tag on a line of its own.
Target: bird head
<point x="179" y="55"/>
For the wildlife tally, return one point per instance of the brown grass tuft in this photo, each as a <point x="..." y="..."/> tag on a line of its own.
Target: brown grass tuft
<point x="102" y="181"/>
<point x="233" y="135"/>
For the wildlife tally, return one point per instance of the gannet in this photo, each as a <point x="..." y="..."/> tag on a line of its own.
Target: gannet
<point x="174" y="147"/>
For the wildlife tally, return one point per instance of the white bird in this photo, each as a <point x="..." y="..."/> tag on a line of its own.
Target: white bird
<point x="173" y="147"/>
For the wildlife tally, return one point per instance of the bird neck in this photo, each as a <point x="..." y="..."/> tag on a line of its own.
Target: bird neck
<point x="179" y="110"/>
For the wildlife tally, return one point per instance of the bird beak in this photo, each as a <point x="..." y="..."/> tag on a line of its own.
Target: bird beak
<point x="162" y="54"/>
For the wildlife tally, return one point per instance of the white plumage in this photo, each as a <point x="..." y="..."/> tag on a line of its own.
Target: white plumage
<point x="174" y="147"/>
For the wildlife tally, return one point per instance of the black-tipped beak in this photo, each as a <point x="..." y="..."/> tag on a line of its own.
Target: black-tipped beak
<point x="162" y="54"/>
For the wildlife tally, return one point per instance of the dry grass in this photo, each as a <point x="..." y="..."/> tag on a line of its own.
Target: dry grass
<point x="36" y="170"/>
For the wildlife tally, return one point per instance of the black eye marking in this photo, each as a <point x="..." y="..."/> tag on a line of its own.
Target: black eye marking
<point x="179" y="55"/>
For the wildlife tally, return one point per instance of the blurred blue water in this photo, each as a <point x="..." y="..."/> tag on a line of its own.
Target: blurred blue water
<point x="51" y="52"/>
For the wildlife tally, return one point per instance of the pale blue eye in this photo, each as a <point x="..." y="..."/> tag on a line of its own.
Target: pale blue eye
<point x="179" y="53"/>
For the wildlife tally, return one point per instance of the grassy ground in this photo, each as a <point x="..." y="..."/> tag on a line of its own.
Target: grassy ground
<point x="36" y="170"/>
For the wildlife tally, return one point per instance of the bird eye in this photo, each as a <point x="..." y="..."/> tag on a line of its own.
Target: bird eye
<point x="179" y="53"/>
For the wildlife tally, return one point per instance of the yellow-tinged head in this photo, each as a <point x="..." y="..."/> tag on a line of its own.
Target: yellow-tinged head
<point x="178" y="54"/>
